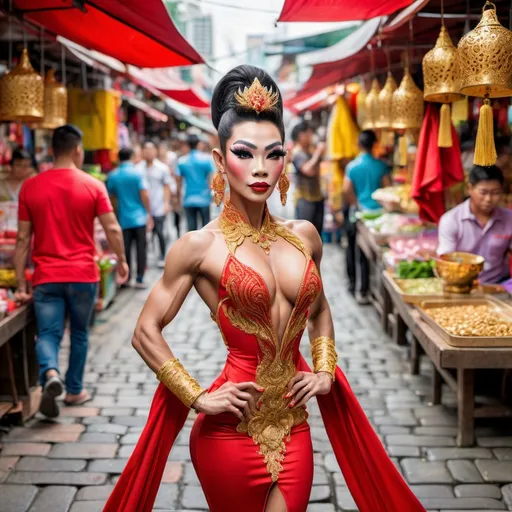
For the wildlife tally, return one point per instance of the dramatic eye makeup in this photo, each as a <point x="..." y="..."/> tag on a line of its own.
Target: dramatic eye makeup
<point x="241" y="149"/>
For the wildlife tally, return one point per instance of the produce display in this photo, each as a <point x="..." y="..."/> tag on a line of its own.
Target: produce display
<point x="393" y="224"/>
<point x="415" y="269"/>
<point x="471" y="320"/>
<point x="421" y="286"/>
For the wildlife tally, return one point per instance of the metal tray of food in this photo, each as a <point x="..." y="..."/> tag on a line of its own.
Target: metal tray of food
<point x="399" y="286"/>
<point x="497" y="310"/>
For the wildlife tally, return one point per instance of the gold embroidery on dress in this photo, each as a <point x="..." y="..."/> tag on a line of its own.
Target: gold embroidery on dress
<point x="271" y="425"/>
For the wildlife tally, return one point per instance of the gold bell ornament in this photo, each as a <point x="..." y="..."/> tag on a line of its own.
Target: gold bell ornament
<point x="55" y="102"/>
<point x="22" y="93"/>
<point x="385" y="120"/>
<point x="372" y="107"/>
<point x="407" y="111"/>
<point x="486" y="72"/>
<point x="361" y="105"/>
<point x="442" y="83"/>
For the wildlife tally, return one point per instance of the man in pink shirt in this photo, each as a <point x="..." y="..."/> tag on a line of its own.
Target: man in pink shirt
<point x="479" y="225"/>
<point x="58" y="208"/>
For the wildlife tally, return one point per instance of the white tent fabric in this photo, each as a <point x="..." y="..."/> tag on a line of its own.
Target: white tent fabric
<point x="347" y="47"/>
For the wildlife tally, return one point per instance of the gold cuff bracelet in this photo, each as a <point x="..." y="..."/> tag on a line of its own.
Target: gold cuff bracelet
<point x="324" y="355"/>
<point x="173" y="376"/>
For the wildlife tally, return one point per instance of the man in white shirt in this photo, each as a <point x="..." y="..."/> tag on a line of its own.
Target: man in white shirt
<point x="159" y="181"/>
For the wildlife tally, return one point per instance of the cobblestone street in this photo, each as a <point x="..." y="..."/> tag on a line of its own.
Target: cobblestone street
<point x="71" y="464"/>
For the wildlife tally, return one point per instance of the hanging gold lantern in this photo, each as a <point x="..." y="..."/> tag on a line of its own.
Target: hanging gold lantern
<point x="21" y="93"/>
<point x="386" y="103"/>
<point x="361" y="105"/>
<point x="407" y="108"/>
<point x="372" y="107"/>
<point x="55" y="102"/>
<point x="442" y="82"/>
<point x="486" y="72"/>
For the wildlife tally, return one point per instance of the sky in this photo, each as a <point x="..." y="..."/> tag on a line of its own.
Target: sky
<point x="233" y="25"/>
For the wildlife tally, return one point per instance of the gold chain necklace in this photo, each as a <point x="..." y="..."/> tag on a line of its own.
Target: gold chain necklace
<point x="236" y="229"/>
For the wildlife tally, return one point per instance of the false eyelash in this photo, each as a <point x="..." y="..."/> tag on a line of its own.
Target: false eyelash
<point x="278" y="153"/>
<point x="241" y="153"/>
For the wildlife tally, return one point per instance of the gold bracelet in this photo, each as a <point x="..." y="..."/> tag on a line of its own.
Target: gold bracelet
<point x="173" y="376"/>
<point x="324" y="355"/>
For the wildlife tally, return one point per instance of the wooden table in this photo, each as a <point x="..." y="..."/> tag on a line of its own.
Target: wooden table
<point x="464" y="361"/>
<point x="18" y="365"/>
<point x="455" y="365"/>
<point x="373" y="252"/>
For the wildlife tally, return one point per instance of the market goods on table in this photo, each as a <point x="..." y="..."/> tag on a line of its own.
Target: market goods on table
<point x="458" y="270"/>
<point x="485" y="322"/>
<point x="428" y="286"/>
<point x="394" y="224"/>
<point x="396" y="198"/>
<point x="415" y="269"/>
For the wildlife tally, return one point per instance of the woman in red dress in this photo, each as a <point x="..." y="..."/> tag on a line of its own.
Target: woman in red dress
<point x="259" y="275"/>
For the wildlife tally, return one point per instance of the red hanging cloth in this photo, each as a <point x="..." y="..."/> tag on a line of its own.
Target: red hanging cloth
<point x="436" y="168"/>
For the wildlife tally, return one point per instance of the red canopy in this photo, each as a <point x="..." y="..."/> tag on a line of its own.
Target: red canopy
<point x="133" y="31"/>
<point x="339" y="10"/>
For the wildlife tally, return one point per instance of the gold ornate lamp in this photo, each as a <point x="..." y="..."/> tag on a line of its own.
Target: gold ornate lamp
<point x="361" y="105"/>
<point x="485" y="60"/>
<point x="407" y="104"/>
<point x="407" y="111"/>
<point x="442" y="82"/>
<point x="386" y="103"/>
<point x="372" y="107"/>
<point x="55" y="102"/>
<point x="21" y="93"/>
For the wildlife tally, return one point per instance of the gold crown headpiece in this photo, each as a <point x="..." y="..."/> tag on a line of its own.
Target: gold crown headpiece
<point x="257" y="97"/>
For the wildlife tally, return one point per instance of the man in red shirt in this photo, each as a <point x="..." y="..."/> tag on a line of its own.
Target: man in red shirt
<point x="59" y="207"/>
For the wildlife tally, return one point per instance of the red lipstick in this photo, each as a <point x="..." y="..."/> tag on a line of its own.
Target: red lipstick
<point x="260" y="186"/>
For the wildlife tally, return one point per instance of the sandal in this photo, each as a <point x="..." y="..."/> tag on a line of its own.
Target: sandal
<point x="80" y="401"/>
<point x="52" y="389"/>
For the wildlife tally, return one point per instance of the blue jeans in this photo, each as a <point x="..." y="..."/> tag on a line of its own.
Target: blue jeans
<point x="52" y="301"/>
<point x="192" y="212"/>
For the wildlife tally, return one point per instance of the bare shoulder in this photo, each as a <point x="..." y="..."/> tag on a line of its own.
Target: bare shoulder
<point x="190" y="250"/>
<point x="306" y="232"/>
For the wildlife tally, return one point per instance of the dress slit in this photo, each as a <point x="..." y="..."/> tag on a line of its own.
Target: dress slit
<point x="271" y="487"/>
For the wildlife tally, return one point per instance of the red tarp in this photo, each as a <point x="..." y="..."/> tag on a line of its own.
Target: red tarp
<point x="133" y="31"/>
<point x="436" y="169"/>
<point x="339" y="10"/>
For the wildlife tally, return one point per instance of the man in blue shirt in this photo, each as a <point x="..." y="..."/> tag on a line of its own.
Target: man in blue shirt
<point x="194" y="168"/>
<point x="363" y="176"/>
<point x="129" y="188"/>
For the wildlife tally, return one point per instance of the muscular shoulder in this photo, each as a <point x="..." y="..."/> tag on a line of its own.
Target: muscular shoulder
<point x="306" y="232"/>
<point x="189" y="251"/>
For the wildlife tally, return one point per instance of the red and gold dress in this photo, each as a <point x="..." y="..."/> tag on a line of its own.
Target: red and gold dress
<point x="238" y="462"/>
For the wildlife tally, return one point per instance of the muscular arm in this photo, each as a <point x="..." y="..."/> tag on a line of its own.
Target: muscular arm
<point x="21" y="253"/>
<point x="348" y="192"/>
<point x="165" y="300"/>
<point x="167" y="194"/>
<point x="308" y="168"/>
<point x="114" y="234"/>
<point x="144" y="197"/>
<point x="320" y="319"/>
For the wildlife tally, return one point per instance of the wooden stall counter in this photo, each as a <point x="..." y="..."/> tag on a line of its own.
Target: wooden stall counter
<point x="19" y="393"/>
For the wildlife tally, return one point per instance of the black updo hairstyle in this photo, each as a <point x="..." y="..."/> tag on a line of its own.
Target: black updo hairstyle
<point x="227" y="112"/>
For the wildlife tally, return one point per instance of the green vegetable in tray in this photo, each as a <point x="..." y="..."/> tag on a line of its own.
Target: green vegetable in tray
<point x="415" y="269"/>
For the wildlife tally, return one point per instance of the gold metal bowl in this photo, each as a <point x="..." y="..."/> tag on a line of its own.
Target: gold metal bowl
<point x="458" y="271"/>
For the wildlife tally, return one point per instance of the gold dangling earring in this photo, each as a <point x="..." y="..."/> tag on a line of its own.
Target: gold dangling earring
<point x="283" y="185"/>
<point x="218" y="187"/>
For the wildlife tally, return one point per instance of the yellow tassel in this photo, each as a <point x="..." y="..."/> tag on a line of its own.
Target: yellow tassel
<point x="444" y="137"/>
<point x="460" y="110"/>
<point x="387" y="138"/>
<point x="402" y="151"/>
<point x="485" y="149"/>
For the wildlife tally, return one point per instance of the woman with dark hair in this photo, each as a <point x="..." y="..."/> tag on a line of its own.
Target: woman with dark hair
<point x="259" y="275"/>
